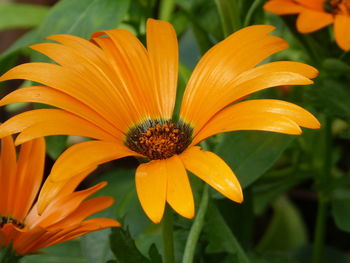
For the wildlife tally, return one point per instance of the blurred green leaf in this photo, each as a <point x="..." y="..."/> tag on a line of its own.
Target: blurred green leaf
<point x="230" y="16"/>
<point x="273" y="257"/>
<point x="16" y="15"/>
<point x="333" y="97"/>
<point x="95" y="246"/>
<point x="189" y="52"/>
<point x="8" y="255"/>
<point x="286" y="230"/>
<point x="219" y="236"/>
<point x="331" y="255"/>
<point x="266" y="191"/>
<point x="336" y="65"/>
<point x="80" y="18"/>
<point x="55" y="145"/>
<point x="67" y="252"/>
<point x="154" y="254"/>
<point x="124" y="248"/>
<point x="252" y="153"/>
<point x="341" y="213"/>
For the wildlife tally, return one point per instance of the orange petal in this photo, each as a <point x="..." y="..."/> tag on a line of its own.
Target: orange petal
<point x="214" y="171"/>
<point x="67" y="81"/>
<point x="263" y="81"/>
<point x="43" y="122"/>
<point x="278" y="66"/>
<point x="102" y="78"/>
<point x="85" y="209"/>
<point x="77" y="159"/>
<point x="8" y="177"/>
<point x="30" y="170"/>
<point x="83" y="156"/>
<point x="61" y="100"/>
<point x="54" y="189"/>
<point x="179" y="193"/>
<point x="151" y="186"/>
<point x="282" y="7"/>
<point x="163" y="53"/>
<point x="24" y="243"/>
<point x="311" y="4"/>
<point x="266" y="115"/>
<point x="214" y="74"/>
<point x="90" y="50"/>
<point x="63" y="206"/>
<point x="129" y="58"/>
<point x="342" y="31"/>
<point x="85" y="227"/>
<point x="267" y="80"/>
<point x="39" y="238"/>
<point x="309" y="20"/>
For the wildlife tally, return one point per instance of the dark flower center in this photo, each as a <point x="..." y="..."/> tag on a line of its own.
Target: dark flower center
<point x="159" y="139"/>
<point x="9" y="220"/>
<point x="336" y="6"/>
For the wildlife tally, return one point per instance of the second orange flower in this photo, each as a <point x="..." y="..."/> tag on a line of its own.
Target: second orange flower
<point x="316" y="14"/>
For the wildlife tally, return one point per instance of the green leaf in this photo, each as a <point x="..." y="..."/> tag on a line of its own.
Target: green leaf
<point x="229" y="15"/>
<point x="266" y="191"/>
<point x="273" y="257"/>
<point x="95" y="246"/>
<point x="341" y="213"/>
<point x="154" y="255"/>
<point x="80" y="18"/>
<point x="335" y="65"/>
<point x="333" y="97"/>
<point x="252" y="153"/>
<point x="55" y="145"/>
<point x="67" y="252"/>
<point x="8" y="255"/>
<point x="286" y="230"/>
<point x="124" y="248"/>
<point x="331" y="255"/>
<point x="220" y="237"/>
<point x="16" y="15"/>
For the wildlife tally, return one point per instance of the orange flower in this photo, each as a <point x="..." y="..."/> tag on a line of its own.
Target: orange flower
<point x="21" y="227"/>
<point x="114" y="90"/>
<point x="316" y="14"/>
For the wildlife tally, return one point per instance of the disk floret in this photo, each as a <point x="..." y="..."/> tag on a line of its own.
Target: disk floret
<point x="159" y="139"/>
<point x="337" y="6"/>
<point x="9" y="220"/>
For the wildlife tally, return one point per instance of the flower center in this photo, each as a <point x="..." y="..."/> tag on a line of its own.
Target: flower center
<point x="337" y="6"/>
<point x="159" y="139"/>
<point x="9" y="220"/>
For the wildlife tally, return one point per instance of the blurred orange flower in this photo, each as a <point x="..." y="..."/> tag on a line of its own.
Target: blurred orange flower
<point x="21" y="227"/>
<point x="316" y="14"/>
<point x="115" y="90"/>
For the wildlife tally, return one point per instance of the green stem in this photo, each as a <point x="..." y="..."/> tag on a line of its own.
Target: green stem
<point x="167" y="234"/>
<point x="251" y="11"/>
<point x="323" y="194"/>
<point x="166" y="9"/>
<point x="318" y="247"/>
<point x="196" y="228"/>
<point x="7" y="255"/>
<point x="229" y="15"/>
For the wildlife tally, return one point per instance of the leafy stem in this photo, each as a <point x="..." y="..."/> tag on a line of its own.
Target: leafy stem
<point x="196" y="228"/>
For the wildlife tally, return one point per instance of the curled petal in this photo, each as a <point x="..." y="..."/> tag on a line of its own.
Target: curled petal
<point x="214" y="171"/>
